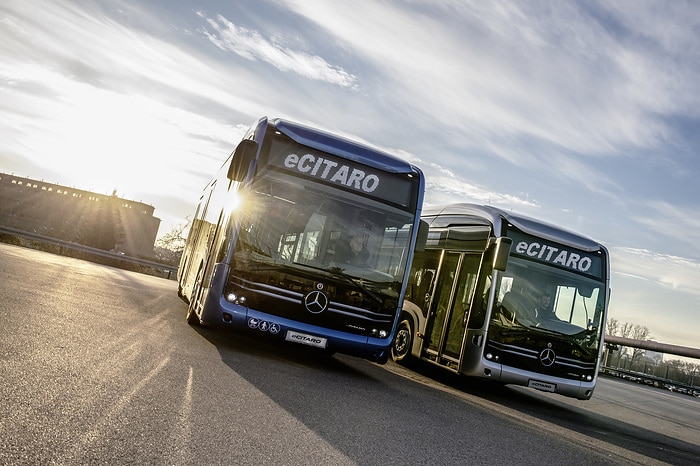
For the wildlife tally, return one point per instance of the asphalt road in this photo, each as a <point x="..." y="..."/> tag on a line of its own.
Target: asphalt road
<point x="97" y="366"/>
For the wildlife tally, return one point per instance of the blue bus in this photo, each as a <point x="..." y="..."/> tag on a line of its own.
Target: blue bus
<point x="307" y="237"/>
<point x="506" y="297"/>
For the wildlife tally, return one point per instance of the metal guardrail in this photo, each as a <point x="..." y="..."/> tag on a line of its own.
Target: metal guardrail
<point x="654" y="346"/>
<point x="613" y="341"/>
<point x="169" y="269"/>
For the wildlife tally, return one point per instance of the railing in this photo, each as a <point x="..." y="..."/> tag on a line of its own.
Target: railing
<point x="654" y="346"/>
<point x="168" y="270"/>
<point x="646" y="377"/>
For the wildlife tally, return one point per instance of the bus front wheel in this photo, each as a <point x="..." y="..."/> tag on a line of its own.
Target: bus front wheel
<point x="401" y="347"/>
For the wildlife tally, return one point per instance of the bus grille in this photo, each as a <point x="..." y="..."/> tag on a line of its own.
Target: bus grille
<point x="528" y="359"/>
<point x="288" y="303"/>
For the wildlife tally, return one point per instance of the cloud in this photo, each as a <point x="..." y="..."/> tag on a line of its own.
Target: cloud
<point x="251" y="45"/>
<point x="671" y="221"/>
<point x="508" y="80"/>
<point x="658" y="291"/>
<point x="504" y="77"/>
<point x="675" y="273"/>
<point x="107" y="103"/>
<point x="107" y="137"/>
<point x="443" y="186"/>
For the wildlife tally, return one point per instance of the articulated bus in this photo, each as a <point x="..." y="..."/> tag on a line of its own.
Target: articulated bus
<point x="506" y="297"/>
<point x="273" y="246"/>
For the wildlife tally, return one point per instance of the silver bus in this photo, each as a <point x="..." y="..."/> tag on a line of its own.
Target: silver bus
<point x="506" y="297"/>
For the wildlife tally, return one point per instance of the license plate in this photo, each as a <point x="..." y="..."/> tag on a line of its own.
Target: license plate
<point x="305" y="339"/>
<point x="544" y="386"/>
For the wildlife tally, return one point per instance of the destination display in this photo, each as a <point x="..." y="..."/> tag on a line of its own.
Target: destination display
<point x="590" y="263"/>
<point x="341" y="172"/>
<point x="334" y="172"/>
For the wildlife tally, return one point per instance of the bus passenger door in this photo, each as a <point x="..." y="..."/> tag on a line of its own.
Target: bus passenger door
<point x="440" y="305"/>
<point x="461" y="305"/>
<point x="454" y="294"/>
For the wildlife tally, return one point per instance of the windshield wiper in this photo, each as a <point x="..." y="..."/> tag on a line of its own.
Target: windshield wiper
<point x="571" y="338"/>
<point x="331" y="272"/>
<point x="548" y="330"/>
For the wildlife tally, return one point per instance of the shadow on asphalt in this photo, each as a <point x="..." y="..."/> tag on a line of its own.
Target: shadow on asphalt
<point x="297" y="362"/>
<point x="606" y="429"/>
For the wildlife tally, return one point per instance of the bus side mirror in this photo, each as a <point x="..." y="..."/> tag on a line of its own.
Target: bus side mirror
<point x="422" y="238"/>
<point x="501" y="253"/>
<point x="243" y="156"/>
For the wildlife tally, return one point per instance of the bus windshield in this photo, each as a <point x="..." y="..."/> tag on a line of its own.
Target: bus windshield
<point x="550" y="300"/>
<point x="296" y="222"/>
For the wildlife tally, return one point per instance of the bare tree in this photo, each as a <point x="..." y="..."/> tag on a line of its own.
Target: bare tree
<point x="632" y="331"/>
<point x="680" y="371"/>
<point x="169" y="247"/>
<point x="639" y="332"/>
<point x="174" y="240"/>
<point x="626" y="330"/>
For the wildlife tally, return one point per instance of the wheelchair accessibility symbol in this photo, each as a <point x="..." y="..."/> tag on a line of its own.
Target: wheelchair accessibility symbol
<point x="264" y="326"/>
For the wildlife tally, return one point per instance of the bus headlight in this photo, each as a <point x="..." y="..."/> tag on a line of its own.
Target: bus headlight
<point x="382" y="334"/>
<point x="235" y="299"/>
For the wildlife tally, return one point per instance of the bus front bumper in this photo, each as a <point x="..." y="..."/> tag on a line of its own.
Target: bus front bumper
<point x="333" y="341"/>
<point x="581" y="390"/>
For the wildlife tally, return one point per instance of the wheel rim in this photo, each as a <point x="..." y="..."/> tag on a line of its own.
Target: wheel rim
<point x="402" y="341"/>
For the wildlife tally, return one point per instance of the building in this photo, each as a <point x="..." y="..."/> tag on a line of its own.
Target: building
<point x="97" y="220"/>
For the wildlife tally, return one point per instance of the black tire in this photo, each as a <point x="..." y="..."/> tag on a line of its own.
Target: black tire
<point x="403" y="341"/>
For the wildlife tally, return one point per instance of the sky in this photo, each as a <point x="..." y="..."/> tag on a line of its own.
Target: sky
<point x="582" y="114"/>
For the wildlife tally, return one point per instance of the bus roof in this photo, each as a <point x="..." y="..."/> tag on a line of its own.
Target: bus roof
<point x="352" y="150"/>
<point x="496" y="217"/>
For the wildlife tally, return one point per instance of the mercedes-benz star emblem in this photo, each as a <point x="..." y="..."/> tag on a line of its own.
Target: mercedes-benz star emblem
<point x="316" y="302"/>
<point x="547" y="357"/>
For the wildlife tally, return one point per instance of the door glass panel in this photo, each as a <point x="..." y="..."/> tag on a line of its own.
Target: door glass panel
<point x="463" y="297"/>
<point x="441" y="300"/>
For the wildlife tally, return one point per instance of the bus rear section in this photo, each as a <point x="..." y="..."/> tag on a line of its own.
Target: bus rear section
<point x="506" y="297"/>
<point x="311" y="245"/>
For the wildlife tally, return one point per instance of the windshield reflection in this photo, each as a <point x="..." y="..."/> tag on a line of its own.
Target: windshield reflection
<point x="550" y="300"/>
<point x="290" y="222"/>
